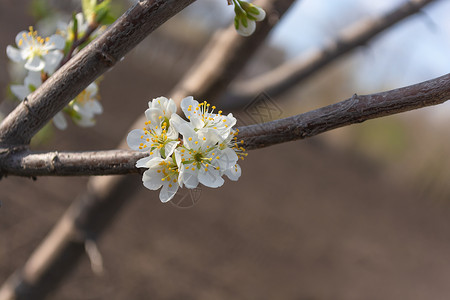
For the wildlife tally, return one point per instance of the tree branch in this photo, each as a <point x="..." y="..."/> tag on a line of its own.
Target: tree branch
<point x="26" y="163"/>
<point x="291" y="73"/>
<point x="357" y="109"/>
<point x="100" y="55"/>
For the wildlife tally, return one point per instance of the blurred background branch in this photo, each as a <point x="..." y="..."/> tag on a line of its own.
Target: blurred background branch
<point x="292" y="72"/>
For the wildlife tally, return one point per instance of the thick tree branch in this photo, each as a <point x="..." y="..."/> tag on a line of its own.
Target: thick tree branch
<point x="25" y="163"/>
<point x="291" y="73"/>
<point x="100" y="55"/>
<point x="354" y="110"/>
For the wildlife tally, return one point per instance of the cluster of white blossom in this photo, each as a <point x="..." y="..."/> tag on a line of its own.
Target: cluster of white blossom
<point x="41" y="57"/>
<point x="247" y="14"/>
<point x="207" y="149"/>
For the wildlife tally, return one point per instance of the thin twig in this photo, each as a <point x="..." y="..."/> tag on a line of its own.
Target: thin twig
<point x="78" y="42"/>
<point x="356" y="109"/>
<point x="100" y="55"/>
<point x="291" y="73"/>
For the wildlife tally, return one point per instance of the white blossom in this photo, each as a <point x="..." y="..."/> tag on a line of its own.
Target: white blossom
<point x="37" y="53"/>
<point x="200" y="160"/>
<point x="86" y="106"/>
<point x="207" y="151"/>
<point x="202" y="118"/>
<point x="161" y="173"/>
<point x="157" y="137"/>
<point x="234" y="172"/>
<point x="67" y="31"/>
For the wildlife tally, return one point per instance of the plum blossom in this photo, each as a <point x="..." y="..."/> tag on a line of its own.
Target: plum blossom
<point x="201" y="160"/>
<point x="234" y="172"/>
<point x="85" y="106"/>
<point x="207" y="150"/>
<point x="202" y="118"/>
<point x="67" y="31"/>
<point x="157" y="136"/>
<point x="161" y="173"/>
<point x="38" y="53"/>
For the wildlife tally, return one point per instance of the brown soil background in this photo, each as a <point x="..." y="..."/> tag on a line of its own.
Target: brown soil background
<point x="305" y="221"/>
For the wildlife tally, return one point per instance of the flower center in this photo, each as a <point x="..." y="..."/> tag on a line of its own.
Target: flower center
<point x="203" y="110"/>
<point x="170" y="171"/>
<point x="83" y="97"/>
<point x="34" y="43"/>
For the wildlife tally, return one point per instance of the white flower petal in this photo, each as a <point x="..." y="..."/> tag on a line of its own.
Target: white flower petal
<point x="20" y="91"/>
<point x="151" y="179"/>
<point x="34" y="63"/>
<point x="170" y="147"/>
<point x="95" y="107"/>
<point x="152" y="114"/>
<point x="168" y="192"/>
<point x="134" y="140"/>
<point x="233" y="173"/>
<point x="19" y="37"/>
<point x="172" y="133"/>
<point x="228" y="158"/>
<point x="13" y="53"/>
<point x="85" y="121"/>
<point x="159" y="102"/>
<point x="197" y="121"/>
<point x="52" y="61"/>
<point x="55" y="42"/>
<point x="210" y="178"/>
<point x="92" y="89"/>
<point x="142" y="163"/>
<point x="188" y="177"/>
<point x="60" y="121"/>
<point x="181" y="125"/>
<point x="34" y="79"/>
<point x="171" y="108"/>
<point x="185" y="103"/>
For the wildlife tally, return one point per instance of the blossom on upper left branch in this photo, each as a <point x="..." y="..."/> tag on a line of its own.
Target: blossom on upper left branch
<point x="38" y="53"/>
<point x="41" y="57"/>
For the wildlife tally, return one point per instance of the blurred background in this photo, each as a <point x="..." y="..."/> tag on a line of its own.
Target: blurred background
<point x="360" y="212"/>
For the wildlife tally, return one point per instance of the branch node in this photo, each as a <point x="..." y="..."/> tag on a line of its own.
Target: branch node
<point x="55" y="160"/>
<point x="108" y="59"/>
<point x="32" y="113"/>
